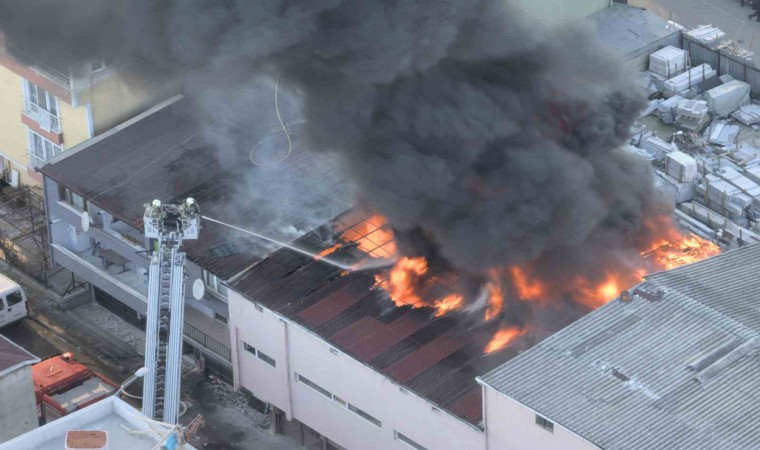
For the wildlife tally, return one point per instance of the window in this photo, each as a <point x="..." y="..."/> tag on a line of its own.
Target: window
<point x="338" y="400"/>
<point x="220" y="318"/>
<point x="407" y="441"/>
<point x="262" y="356"/>
<point x="214" y="284"/>
<point x="41" y="150"/>
<point x="364" y="415"/>
<point x="14" y="298"/>
<point x="65" y="195"/>
<point x="266" y="358"/>
<point x="41" y="98"/>
<point x="307" y="382"/>
<point x="545" y="424"/>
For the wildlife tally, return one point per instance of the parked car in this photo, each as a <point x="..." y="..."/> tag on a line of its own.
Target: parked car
<point x="13" y="304"/>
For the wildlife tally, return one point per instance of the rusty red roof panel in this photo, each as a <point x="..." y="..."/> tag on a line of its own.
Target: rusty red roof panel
<point x="325" y="310"/>
<point x="349" y="335"/>
<point x="379" y="341"/>
<point x="469" y="406"/>
<point x="424" y="358"/>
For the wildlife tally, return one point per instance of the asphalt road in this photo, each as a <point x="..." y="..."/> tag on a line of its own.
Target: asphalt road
<point x="728" y="15"/>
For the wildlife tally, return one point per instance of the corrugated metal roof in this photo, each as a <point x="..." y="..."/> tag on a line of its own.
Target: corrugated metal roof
<point x="170" y="155"/>
<point x="626" y="29"/>
<point x="677" y="369"/>
<point x="428" y="355"/>
<point x="12" y="355"/>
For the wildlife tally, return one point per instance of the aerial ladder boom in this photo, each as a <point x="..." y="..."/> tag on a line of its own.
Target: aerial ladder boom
<point x="169" y="225"/>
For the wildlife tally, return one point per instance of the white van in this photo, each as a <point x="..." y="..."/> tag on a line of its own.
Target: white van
<point x="13" y="305"/>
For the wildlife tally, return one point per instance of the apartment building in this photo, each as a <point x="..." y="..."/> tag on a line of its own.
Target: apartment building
<point x="46" y="109"/>
<point x="165" y="154"/>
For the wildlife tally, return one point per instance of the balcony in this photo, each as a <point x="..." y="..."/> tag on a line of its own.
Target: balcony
<point x="44" y="119"/>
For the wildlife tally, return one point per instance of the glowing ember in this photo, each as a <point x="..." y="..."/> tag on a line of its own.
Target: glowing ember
<point x="328" y="251"/>
<point x="668" y="255"/>
<point x="504" y="337"/>
<point x="447" y="304"/>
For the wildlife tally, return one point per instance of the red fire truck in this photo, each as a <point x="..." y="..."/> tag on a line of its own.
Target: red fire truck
<point x="62" y="386"/>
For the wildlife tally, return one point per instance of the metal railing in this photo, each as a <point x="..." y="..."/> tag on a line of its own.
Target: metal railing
<point x="46" y="120"/>
<point x="36" y="161"/>
<point x="37" y="65"/>
<point x="208" y="342"/>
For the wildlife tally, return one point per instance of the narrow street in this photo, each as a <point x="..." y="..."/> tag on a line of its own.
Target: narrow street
<point x="109" y="345"/>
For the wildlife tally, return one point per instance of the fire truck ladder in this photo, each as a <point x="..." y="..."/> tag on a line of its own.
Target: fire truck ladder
<point x="165" y="318"/>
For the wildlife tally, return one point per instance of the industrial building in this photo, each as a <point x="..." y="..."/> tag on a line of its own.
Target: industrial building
<point x="18" y="409"/>
<point x="48" y="108"/>
<point x="95" y="195"/>
<point x="674" y="366"/>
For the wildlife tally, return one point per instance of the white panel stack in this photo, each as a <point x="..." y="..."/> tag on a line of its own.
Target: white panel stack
<point x="681" y="166"/>
<point x="708" y="35"/>
<point x="727" y="98"/>
<point x="668" y="62"/>
<point x="691" y="77"/>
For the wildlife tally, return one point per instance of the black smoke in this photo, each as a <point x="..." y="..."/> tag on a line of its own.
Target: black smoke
<point x="492" y="137"/>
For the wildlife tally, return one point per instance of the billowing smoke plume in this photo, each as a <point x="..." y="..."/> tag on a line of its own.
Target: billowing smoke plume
<point x="493" y="138"/>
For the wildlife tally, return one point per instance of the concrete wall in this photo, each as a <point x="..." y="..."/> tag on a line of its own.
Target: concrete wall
<point x="560" y="10"/>
<point x="18" y="409"/>
<point x="512" y="426"/>
<point x="13" y="139"/>
<point x="297" y="350"/>
<point x="64" y="218"/>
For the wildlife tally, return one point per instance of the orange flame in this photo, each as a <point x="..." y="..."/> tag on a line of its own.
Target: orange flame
<point x="402" y="281"/>
<point x="448" y="304"/>
<point x="328" y="251"/>
<point x="504" y="337"/>
<point x="526" y="288"/>
<point x="495" y="291"/>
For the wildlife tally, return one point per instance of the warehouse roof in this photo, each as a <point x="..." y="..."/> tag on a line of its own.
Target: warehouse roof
<point x="627" y="29"/>
<point x="13" y="356"/>
<point x="169" y="154"/>
<point x="675" y="367"/>
<point x="432" y="356"/>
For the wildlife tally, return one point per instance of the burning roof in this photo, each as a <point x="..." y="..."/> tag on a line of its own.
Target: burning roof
<point x="683" y="350"/>
<point x="427" y="328"/>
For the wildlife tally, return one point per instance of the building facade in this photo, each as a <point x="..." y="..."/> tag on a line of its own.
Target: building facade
<point x="45" y="110"/>
<point x="18" y="409"/>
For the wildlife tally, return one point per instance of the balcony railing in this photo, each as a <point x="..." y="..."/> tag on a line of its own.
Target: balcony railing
<point x="46" y="120"/>
<point x="36" y="161"/>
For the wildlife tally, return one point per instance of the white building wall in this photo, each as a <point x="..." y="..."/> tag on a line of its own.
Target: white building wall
<point x="341" y="375"/>
<point x="18" y="408"/>
<point x="512" y="426"/>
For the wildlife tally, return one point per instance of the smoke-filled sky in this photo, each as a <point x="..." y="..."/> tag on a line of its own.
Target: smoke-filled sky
<point x="492" y="138"/>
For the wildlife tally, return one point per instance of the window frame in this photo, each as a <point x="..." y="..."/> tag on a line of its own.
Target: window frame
<point x="407" y="441"/>
<point x="66" y="196"/>
<point x="214" y="285"/>
<point x="47" y="148"/>
<point x="32" y="94"/>
<point x="14" y="302"/>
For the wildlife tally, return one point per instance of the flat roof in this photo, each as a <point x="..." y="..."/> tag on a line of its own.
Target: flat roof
<point x="170" y="154"/>
<point x="626" y="29"/>
<point x="675" y="367"/>
<point x="13" y="356"/>
<point x="127" y="429"/>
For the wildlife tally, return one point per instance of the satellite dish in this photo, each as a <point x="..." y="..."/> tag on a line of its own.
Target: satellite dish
<point x="199" y="288"/>
<point x="85" y="221"/>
